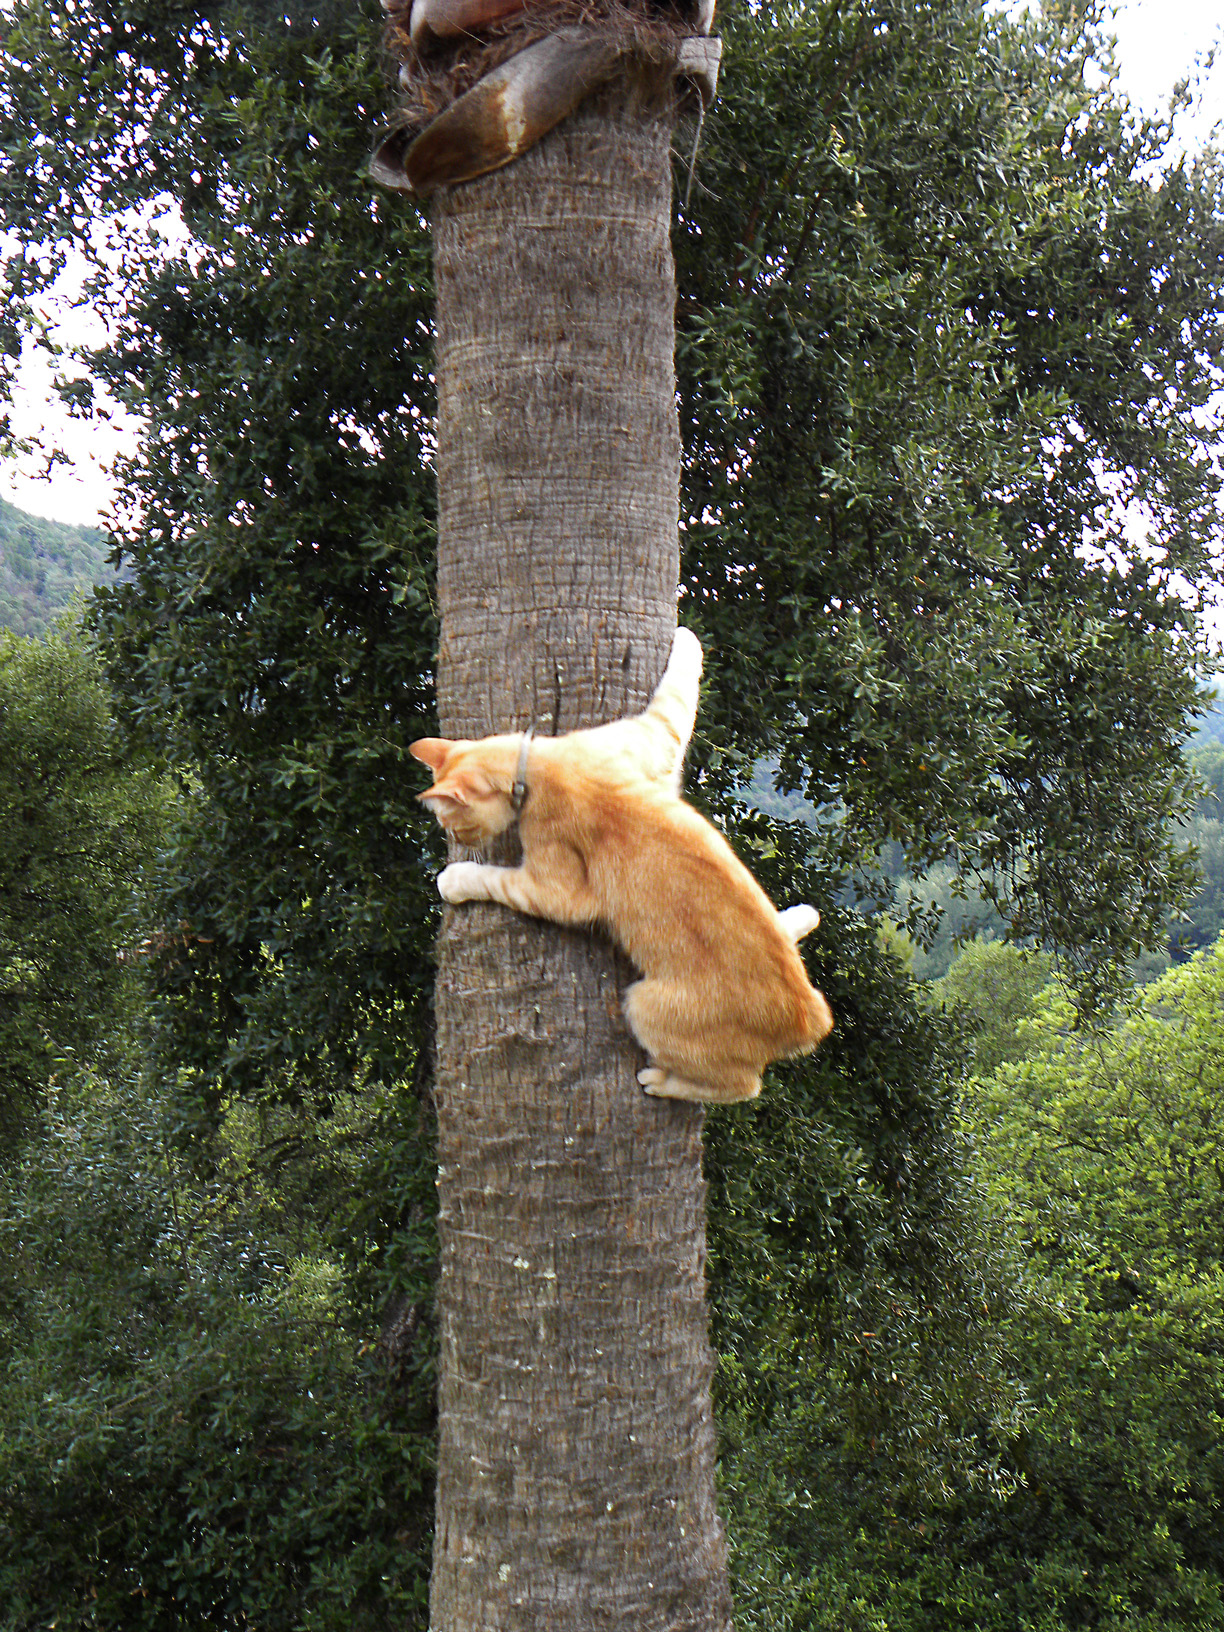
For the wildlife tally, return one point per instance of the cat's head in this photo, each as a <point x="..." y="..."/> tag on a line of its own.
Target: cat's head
<point x="470" y="795"/>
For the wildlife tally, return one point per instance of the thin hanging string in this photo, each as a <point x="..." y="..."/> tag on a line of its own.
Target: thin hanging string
<point x="688" y="191"/>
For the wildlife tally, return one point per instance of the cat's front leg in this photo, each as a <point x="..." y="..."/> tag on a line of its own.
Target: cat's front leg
<point x="466" y="881"/>
<point x="510" y="887"/>
<point x="477" y="881"/>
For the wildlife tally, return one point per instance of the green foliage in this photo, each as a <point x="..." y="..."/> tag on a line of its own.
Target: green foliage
<point x="1207" y="759"/>
<point x="275" y="634"/>
<point x="191" y="1432"/>
<point x="79" y="820"/>
<point x="992" y="988"/>
<point x="1107" y="1151"/>
<point x="1201" y="922"/>
<point x="1098" y="1163"/>
<point x="1209" y="728"/>
<point x="858" y="1281"/>
<point x="44" y="566"/>
<point x="936" y="328"/>
<point x="940" y="911"/>
<point x="199" y="1421"/>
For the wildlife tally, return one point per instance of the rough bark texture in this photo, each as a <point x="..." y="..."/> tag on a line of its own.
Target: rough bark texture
<point x="576" y="1471"/>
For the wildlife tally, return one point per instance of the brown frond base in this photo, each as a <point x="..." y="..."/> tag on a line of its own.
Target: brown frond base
<point x="563" y="50"/>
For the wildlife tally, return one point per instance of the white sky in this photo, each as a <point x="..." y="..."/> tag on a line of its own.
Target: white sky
<point x="1159" y="41"/>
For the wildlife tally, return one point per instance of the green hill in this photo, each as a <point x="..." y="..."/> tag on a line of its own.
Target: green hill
<point x="43" y="564"/>
<point x="1209" y="727"/>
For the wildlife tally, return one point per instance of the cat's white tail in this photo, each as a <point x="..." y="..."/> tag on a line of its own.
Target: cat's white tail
<point x="674" y="705"/>
<point x="657" y="738"/>
<point x="799" y="921"/>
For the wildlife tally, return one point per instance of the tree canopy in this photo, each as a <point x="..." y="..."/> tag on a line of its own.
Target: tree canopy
<point x="1107" y="1149"/>
<point x="934" y="336"/>
<point x="899" y="449"/>
<point x="81" y="819"/>
<point x="946" y="311"/>
<point x="190" y="1434"/>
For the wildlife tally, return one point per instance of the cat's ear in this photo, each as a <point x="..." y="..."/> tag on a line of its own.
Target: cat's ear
<point x="431" y="751"/>
<point x="451" y="798"/>
<point x="459" y="788"/>
<point x="464" y="784"/>
<point x="445" y="806"/>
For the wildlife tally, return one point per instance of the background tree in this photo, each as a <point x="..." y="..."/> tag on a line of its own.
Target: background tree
<point x="189" y="1434"/>
<point x="894" y="449"/>
<point x="80" y="821"/>
<point x="1202" y="920"/>
<point x="1105" y="1150"/>
<point x="993" y="988"/>
<point x="924" y="333"/>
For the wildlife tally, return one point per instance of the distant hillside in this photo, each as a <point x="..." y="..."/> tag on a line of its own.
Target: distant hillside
<point x="43" y="564"/>
<point x="1209" y="727"/>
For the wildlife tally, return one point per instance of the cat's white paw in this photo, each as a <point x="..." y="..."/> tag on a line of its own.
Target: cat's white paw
<point x="461" y="881"/>
<point x="799" y="921"/>
<point x="660" y="1084"/>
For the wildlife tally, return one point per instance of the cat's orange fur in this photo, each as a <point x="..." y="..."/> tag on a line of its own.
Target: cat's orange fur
<point x="607" y="839"/>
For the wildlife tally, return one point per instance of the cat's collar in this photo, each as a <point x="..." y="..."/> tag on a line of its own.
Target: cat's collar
<point x="518" y="788"/>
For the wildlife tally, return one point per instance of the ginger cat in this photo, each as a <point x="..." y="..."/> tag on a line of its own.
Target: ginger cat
<point x="608" y="840"/>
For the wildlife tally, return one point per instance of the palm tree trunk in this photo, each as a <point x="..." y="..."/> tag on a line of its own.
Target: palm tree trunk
<point x="576" y="1457"/>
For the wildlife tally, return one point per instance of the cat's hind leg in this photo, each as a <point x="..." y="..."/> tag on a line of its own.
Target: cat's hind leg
<point x="663" y="1084"/>
<point x="692" y="1057"/>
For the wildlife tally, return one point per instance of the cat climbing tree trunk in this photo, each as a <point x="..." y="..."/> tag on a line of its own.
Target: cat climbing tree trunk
<point x="576" y="1457"/>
